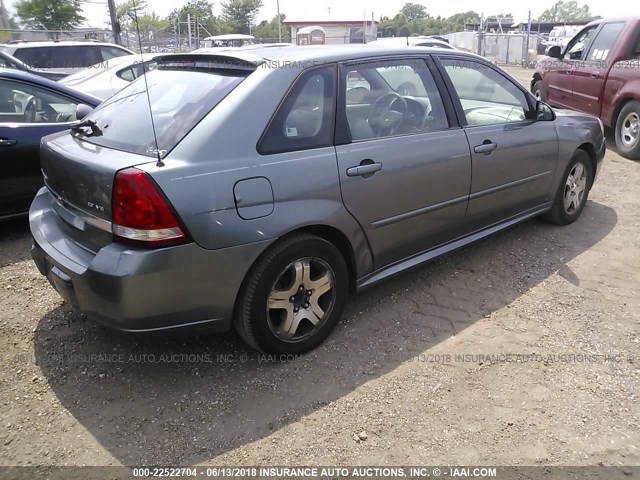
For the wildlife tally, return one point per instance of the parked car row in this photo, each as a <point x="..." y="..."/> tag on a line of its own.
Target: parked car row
<point x="229" y="195"/>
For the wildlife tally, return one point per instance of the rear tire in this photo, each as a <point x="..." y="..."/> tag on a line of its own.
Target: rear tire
<point x="628" y="131"/>
<point x="293" y="297"/>
<point x="573" y="191"/>
<point x="538" y="91"/>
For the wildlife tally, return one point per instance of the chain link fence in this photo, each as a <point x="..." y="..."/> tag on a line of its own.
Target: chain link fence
<point x="509" y="49"/>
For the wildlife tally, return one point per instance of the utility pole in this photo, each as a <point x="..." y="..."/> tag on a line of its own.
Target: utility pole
<point x="279" y="22"/>
<point x="529" y="35"/>
<point x="189" y="30"/>
<point x="115" y="25"/>
<point x="4" y="18"/>
<point x="480" y="34"/>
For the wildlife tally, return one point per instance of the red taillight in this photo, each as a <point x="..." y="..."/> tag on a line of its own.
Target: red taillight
<point x="141" y="213"/>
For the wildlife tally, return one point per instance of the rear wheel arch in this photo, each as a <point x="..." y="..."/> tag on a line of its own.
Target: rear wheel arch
<point x="618" y="108"/>
<point x="331" y="234"/>
<point x="340" y="241"/>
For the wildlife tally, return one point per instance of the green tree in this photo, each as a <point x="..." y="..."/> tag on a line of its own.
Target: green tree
<point x="241" y="13"/>
<point x="202" y="10"/>
<point x="129" y="10"/>
<point x="566" y="11"/>
<point x="413" y="11"/>
<point x="50" y="14"/>
<point x="268" y="30"/>
<point x="152" y="23"/>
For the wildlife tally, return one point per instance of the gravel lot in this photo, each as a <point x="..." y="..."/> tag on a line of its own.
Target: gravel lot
<point x="522" y="349"/>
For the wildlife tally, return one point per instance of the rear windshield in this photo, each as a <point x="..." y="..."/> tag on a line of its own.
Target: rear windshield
<point x="179" y="99"/>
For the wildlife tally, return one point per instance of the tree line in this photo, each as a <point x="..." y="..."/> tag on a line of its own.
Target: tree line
<point x="414" y="19"/>
<point x="239" y="16"/>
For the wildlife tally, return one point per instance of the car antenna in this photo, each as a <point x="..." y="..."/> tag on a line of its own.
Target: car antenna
<point x="159" y="163"/>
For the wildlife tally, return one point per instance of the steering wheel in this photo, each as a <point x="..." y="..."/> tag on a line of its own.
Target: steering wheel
<point x="30" y="111"/>
<point x="387" y="113"/>
<point x="50" y="114"/>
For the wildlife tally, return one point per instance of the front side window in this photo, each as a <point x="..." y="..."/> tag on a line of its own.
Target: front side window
<point x="25" y="103"/>
<point x="578" y="46"/>
<point x="487" y="97"/>
<point x="392" y="98"/>
<point x="605" y="41"/>
<point x="306" y="117"/>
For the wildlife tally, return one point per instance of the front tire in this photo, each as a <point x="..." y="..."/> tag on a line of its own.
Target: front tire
<point x="573" y="192"/>
<point x="628" y="131"/>
<point x="293" y="297"/>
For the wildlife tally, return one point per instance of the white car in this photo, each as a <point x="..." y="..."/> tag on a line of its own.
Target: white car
<point x="422" y="41"/>
<point x="105" y="79"/>
<point x="63" y="56"/>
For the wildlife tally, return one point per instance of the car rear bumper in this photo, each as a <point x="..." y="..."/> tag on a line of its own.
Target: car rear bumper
<point x="140" y="290"/>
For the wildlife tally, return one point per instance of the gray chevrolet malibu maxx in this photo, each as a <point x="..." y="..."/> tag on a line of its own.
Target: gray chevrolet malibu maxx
<point x="257" y="190"/>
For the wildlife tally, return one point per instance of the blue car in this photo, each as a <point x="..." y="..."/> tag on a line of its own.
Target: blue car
<point x="30" y="108"/>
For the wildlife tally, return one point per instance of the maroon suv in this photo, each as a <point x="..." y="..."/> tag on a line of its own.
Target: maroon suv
<point x="598" y="73"/>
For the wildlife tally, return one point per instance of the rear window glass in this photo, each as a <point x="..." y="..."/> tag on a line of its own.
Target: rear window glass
<point x="179" y="101"/>
<point x="62" y="56"/>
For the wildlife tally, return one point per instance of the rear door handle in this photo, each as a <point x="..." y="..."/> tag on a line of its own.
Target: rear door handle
<point x="487" y="147"/>
<point x="364" y="169"/>
<point x="5" y="142"/>
<point x="595" y="74"/>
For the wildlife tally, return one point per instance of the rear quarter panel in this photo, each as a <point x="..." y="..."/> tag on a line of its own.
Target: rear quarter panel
<point x="200" y="174"/>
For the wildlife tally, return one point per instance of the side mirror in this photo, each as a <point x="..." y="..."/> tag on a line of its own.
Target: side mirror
<point x="82" y="110"/>
<point x="555" y="52"/>
<point x="544" y="113"/>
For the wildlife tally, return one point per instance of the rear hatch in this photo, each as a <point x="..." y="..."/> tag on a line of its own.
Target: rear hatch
<point x="80" y="178"/>
<point x="80" y="166"/>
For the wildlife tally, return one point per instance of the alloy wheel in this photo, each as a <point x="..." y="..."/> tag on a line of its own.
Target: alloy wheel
<point x="575" y="188"/>
<point x="301" y="299"/>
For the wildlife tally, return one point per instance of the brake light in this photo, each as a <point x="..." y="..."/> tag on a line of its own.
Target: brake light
<point x="141" y="212"/>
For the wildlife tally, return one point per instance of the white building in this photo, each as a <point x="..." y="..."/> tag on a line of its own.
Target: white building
<point x="336" y="29"/>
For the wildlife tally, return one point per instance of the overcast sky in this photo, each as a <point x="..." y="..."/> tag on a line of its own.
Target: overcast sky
<point x="96" y="10"/>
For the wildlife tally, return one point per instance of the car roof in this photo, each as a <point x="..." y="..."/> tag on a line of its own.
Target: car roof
<point x="52" y="43"/>
<point x="329" y="53"/>
<point x="11" y="74"/>
<point x="613" y="20"/>
<point x="411" y="41"/>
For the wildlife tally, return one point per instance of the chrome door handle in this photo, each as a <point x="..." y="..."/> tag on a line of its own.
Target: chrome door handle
<point x="364" y="169"/>
<point x="595" y="74"/>
<point x="487" y="147"/>
<point x="5" y="142"/>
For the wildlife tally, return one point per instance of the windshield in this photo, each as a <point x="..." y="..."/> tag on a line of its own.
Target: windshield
<point x="179" y="99"/>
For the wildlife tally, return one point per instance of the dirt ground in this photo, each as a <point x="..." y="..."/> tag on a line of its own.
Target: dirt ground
<point x="519" y="350"/>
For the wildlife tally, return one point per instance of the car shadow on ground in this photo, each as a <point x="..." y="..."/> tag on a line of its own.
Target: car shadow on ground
<point x="181" y="400"/>
<point x="15" y="240"/>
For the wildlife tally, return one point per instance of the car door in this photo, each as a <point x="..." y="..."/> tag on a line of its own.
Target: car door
<point x="404" y="166"/>
<point x="590" y="77"/>
<point x="560" y="72"/>
<point x="513" y="158"/>
<point x="27" y="113"/>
